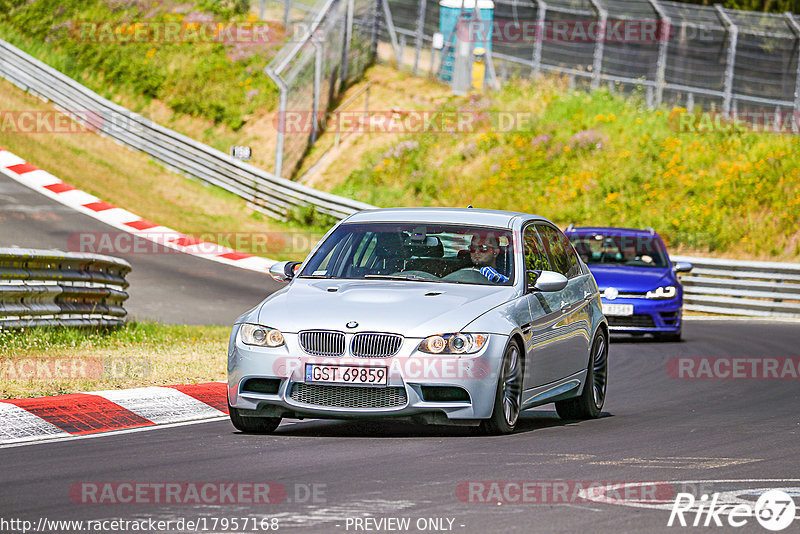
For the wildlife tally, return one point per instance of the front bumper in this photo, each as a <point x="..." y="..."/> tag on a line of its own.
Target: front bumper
<point x="409" y="372"/>
<point x="649" y="315"/>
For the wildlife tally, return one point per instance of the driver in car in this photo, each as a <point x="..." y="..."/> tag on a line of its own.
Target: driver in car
<point x="483" y="251"/>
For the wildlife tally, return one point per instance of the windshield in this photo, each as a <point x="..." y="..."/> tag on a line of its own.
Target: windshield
<point x="415" y="252"/>
<point x="632" y="251"/>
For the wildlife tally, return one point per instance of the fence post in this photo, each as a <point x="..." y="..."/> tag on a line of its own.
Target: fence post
<point x="287" y="6"/>
<point x="795" y="25"/>
<point x="665" y="24"/>
<point x="387" y="14"/>
<point x="423" y="6"/>
<point x="541" y="12"/>
<point x="282" y="99"/>
<point x="730" y="61"/>
<point x="262" y="9"/>
<point x="597" y="64"/>
<point x="348" y="37"/>
<point x="318" y="49"/>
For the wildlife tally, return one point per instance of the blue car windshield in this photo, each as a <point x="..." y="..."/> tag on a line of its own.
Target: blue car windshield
<point x="415" y="252"/>
<point x="627" y="250"/>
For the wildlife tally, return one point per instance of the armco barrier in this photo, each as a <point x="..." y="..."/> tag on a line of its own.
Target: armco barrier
<point x="266" y="192"/>
<point x="46" y="287"/>
<point x="734" y="287"/>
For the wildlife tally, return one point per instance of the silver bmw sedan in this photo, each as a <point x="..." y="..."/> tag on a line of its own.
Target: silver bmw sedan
<point x="438" y="315"/>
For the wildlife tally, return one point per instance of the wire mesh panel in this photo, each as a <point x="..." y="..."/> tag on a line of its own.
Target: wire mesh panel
<point x="697" y="47"/>
<point x="683" y="53"/>
<point x="560" y="49"/>
<point x="766" y="56"/>
<point x="330" y="48"/>
<point x="631" y="39"/>
<point x="516" y="29"/>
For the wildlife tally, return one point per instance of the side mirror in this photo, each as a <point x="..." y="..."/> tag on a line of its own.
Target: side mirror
<point x="546" y="281"/>
<point x="283" y="271"/>
<point x="683" y="267"/>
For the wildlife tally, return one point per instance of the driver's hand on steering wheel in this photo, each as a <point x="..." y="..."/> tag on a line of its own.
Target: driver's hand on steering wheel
<point x="492" y="275"/>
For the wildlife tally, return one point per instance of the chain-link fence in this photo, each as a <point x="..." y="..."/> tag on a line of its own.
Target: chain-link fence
<point x="680" y="53"/>
<point x="329" y="49"/>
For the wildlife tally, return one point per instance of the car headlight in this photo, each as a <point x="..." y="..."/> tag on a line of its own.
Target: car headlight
<point x="260" y="336"/>
<point x="453" y="343"/>
<point x="666" y="292"/>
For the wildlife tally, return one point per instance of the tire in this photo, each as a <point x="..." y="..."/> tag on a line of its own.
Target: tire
<point x="590" y="402"/>
<point x="252" y="425"/>
<point x="508" y="395"/>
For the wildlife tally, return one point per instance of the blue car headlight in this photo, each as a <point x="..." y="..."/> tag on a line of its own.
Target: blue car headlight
<point x="260" y="336"/>
<point x="665" y="292"/>
<point x="453" y="343"/>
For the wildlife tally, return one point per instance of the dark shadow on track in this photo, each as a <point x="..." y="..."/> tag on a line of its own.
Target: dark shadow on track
<point x="339" y="428"/>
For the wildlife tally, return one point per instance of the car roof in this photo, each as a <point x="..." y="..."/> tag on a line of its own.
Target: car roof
<point x="480" y="217"/>
<point x="612" y="230"/>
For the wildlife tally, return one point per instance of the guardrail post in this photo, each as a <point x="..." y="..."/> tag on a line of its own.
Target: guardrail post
<point x="348" y="37"/>
<point x="665" y="24"/>
<point x="541" y="12"/>
<point x="423" y="6"/>
<point x="730" y="61"/>
<point x="795" y="25"/>
<point x="599" y="46"/>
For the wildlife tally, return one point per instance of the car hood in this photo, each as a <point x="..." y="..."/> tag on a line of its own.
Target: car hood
<point x="631" y="279"/>
<point x="413" y="309"/>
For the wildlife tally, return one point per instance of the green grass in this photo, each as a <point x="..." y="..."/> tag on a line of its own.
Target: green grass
<point x="601" y="159"/>
<point x="220" y="82"/>
<point x="57" y="360"/>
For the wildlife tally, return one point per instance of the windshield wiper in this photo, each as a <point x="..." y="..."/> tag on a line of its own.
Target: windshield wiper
<point x="413" y="277"/>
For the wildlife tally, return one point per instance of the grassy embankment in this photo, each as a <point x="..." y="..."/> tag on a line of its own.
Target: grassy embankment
<point x="598" y="159"/>
<point x="51" y="361"/>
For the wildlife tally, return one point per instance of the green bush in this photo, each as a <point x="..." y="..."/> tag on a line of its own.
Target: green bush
<point x="218" y="81"/>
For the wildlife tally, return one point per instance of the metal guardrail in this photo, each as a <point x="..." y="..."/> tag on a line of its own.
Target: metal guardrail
<point x="51" y="288"/>
<point x="266" y="192"/>
<point x="733" y="287"/>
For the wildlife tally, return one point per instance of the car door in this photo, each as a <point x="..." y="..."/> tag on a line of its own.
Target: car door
<point x="540" y="352"/>
<point x="563" y="334"/>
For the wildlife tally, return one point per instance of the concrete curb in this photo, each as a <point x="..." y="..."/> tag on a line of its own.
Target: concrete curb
<point x="28" y="175"/>
<point x="78" y="414"/>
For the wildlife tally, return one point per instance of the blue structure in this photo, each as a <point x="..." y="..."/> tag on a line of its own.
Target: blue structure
<point x="449" y="11"/>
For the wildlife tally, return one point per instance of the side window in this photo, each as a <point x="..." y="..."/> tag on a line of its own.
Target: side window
<point x="554" y="247"/>
<point x="535" y="258"/>
<point x="574" y="264"/>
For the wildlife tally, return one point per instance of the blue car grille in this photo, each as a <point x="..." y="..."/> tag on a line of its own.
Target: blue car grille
<point x="636" y="321"/>
<point x="349" y="396"/>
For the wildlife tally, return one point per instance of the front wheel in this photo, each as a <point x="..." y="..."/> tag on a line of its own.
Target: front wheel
<point x="590" y="402"/>
<point x="253" y="425"/>
<point x="508" y="397"/>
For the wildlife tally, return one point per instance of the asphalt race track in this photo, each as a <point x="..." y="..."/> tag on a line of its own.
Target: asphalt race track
<point x="169" y="286"/>
<point x="736" y="435"/>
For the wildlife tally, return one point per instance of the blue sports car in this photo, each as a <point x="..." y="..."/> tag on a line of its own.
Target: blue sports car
<point x="638" y="282"/>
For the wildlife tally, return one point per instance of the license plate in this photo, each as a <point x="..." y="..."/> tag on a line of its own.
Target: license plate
<point x="617" y="309"/>
<point x="346" y="374"/>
